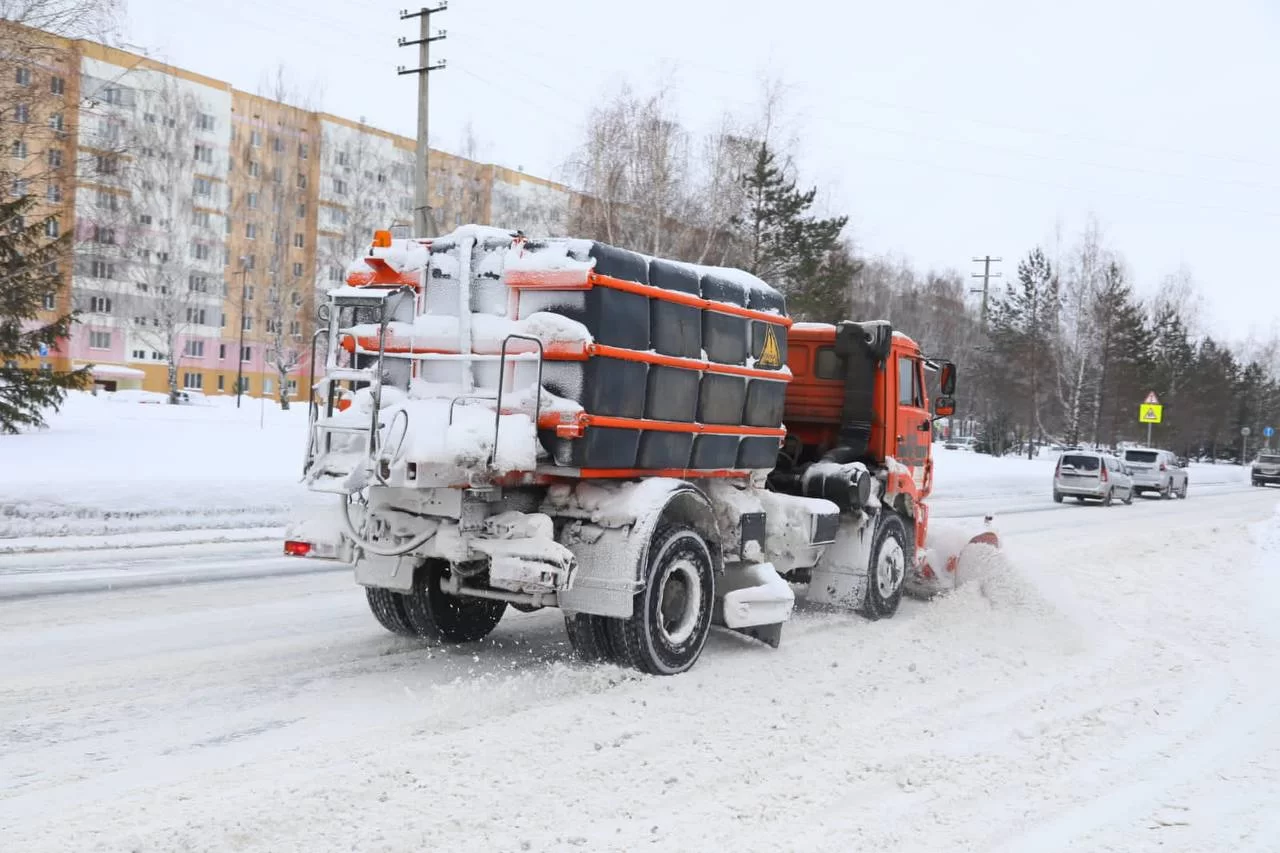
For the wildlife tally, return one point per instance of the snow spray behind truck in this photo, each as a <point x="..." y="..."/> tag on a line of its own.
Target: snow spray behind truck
<point x="652" y="447"/>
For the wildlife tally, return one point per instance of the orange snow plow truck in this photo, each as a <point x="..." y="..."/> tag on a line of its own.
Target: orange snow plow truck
<point x="652" y="447"/>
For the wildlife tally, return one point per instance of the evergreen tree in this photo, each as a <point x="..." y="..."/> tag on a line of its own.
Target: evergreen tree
<point x="1024" y="324"/>
<point x="784" y="245"/>
<point x="26" y="258"/>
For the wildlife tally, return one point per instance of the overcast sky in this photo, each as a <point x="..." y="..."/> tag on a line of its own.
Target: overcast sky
<point x="946" y="130"/>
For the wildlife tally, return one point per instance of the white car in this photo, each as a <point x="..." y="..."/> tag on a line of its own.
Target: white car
<point x="1087" y="474"/>
<point x="1266" y="468"/>
<point x="960" y="443"/>
<point x="1156" y="471"/>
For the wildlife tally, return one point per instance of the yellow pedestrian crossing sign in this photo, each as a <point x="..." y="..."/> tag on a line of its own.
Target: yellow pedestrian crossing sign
<point x="1150" y="413"/>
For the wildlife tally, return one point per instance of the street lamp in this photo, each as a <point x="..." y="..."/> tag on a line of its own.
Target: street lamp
<point x="244" y="273"/>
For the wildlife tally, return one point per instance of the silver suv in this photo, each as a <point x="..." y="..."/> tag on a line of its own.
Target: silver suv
<point x="1266" y="468"/>
<point x="1156" y="471"/>
<point x="1087" y="474"/>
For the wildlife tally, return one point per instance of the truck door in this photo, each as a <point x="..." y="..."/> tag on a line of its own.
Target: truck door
<point x="914" y="426"/>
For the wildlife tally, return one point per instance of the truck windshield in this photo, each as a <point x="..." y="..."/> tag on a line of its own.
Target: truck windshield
<point x="1080" y="463"/>
<point x="1140" y="456"/>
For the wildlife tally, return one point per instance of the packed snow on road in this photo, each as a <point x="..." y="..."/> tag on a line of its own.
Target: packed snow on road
<point x="1101" y="684"/>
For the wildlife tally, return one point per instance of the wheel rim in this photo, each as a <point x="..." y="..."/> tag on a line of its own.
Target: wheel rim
<point x="889" y="568"/>
<point x="679" y="602"/>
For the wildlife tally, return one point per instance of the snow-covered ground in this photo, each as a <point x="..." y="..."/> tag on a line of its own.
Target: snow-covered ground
<point x="1107" y="689"/>
<point x="113" y="466"/>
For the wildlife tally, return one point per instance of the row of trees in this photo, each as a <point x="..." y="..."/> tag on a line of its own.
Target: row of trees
<point x="1066" y="353"/>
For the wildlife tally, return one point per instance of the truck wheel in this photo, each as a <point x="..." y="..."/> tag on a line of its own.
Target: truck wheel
<point x="888" y="568"/>
<point x="388" y="609"/>
<point x="443" y="618"/>
<point x="671" y="616"/>
<point x="589" y="636"/>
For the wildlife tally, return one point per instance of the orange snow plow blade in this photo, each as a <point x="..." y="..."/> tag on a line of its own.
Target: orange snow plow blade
<point x="951" y="550"/>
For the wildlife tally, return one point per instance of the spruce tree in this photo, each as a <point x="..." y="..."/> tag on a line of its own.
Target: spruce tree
<point x="27" y="258"/>
<point x="799" y="253"/>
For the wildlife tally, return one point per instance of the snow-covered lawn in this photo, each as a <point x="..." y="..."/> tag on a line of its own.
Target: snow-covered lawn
<point x="112" y="465"/>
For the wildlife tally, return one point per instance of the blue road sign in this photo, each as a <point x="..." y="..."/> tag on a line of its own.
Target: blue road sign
<point x="1268" y="432"/>
<point x="44" y="350"/>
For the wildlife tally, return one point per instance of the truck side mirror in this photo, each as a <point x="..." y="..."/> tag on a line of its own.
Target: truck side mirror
<point x="945" y="407"/>
<point x="947" y="379"/>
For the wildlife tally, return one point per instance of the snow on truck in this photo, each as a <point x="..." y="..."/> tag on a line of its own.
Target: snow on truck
<point x="652" y="447"/>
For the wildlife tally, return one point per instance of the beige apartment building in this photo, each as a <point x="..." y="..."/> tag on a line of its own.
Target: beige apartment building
<point x="208" y="220"/>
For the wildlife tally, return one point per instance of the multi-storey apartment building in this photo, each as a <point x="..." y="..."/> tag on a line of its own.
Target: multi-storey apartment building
<point x="207" y="219"/>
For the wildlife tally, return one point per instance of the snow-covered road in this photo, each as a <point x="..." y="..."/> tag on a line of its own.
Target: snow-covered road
<point x="1110" y="690"/>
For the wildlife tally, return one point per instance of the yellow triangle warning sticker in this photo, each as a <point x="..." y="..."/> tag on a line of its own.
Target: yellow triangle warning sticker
<point x="770" y="355"/>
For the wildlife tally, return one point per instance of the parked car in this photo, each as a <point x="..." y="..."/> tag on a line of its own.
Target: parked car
<point x="1265" y="469"/>
<point x="960" y="443"/>
<point x="1091" y="475"/>
<point x="1156" y="471"/>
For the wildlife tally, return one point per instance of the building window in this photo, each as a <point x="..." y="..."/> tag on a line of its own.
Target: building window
<point x="339" y="186"/>
<point x="198" y="283"/>
<point x="268" y="386"/>
<point x="246" y="325"/>
<point x="54" y="192"/>
<point x="55" y="158"/>
<point x="51" y="227"/>
<point x="50" y="301"/>
<point x="251" y="231"/>
<point x="277" y="174"/>
<point x="299" y="241"/>
<point x="302" y="181"/>
<point x="99" y="340"/>
<point x="221" y="382"/>
<point x="200" y="218"/>
<point x="107" y="164"/>
<point x="57" y="122"/>
<point x="255" y="138"/>
<point x="295" y="329"/>
<point x="139" y="355"/>
<point x="57" y="85"/>
<point x="19" y="149"/>
<point x="104" y="235"/>
<point x="223" y="324"/>
<point x="196" y="315"/>
<point x="202" y="187"/>
<point x="246" y="353"/>
<point x="194" y="349"/>
<point x="100" y="305"/>
<point x="204" y="121"/>
<point x="192" y="381"/>
<point x="302" y="210"/>
<point x="155" y="356"/>
<point x="203" y="153"/>
<point x="106" y="200"/>
<point x="200" y="251"/>
<point x="222" y="348"/>
<point x="277" y="144"/>
<point x="21" y="113"/>
<point x="273" y="326"/>
<point x="302" y="151"/>
<point x="113" y="95"/>
<point x="145" y="219"/>
<point x="24" y="77"/>
<point x="255" y="169"/>
<point x="335" y="273"/>
<point x="102" y="269"/>
<point x="250" y="262"/>
<point x="297" y="273"/>
<point x="252" y="201"/>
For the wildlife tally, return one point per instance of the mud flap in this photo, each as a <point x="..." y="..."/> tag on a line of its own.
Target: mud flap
<point x="754" y="601"/>
<point x="770" y="635"/>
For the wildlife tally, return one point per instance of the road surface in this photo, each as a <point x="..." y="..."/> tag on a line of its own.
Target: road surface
<point x="1109" y="687"/>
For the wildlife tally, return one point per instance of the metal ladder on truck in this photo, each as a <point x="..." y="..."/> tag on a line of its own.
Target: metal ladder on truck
<point x="325" y="471"/>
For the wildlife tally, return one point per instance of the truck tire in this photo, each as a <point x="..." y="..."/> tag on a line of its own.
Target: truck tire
<point x="887" y="569"/>
<point x="589" y="636"/>
<point x="671" y="615"/>
<point x="439" y="617"/>
<point x="388" y="609"/>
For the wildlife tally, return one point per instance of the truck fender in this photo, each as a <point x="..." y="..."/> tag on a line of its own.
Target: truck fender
<point x="613" y="557"/>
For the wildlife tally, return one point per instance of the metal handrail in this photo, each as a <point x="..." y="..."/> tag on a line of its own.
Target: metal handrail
<point x="502" y="381"/>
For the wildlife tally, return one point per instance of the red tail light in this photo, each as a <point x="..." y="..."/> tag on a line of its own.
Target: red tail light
<point x="1103" y="466"/>
<point x="1163" y="467"/>
<point x="294" y="548"/>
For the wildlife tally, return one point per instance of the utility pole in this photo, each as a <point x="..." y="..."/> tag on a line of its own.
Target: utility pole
<point x="422" y="182"/>
<point x="244" y="274"/>
<point x="986" y="275"/>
